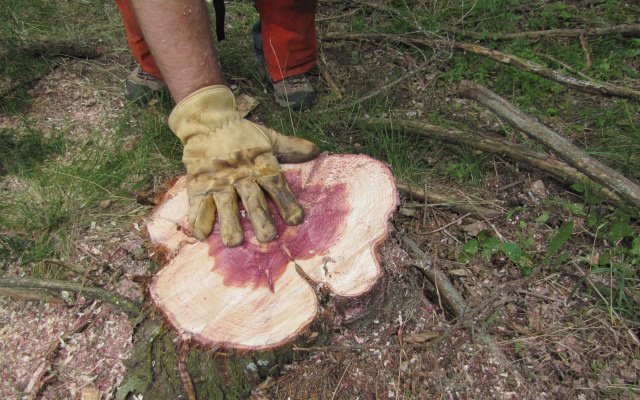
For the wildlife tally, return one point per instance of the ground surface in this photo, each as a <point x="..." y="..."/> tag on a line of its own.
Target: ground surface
<point x="551" y="284"/>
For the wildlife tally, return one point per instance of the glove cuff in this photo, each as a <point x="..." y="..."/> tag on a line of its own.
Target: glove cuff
<point x="204" y="110"/>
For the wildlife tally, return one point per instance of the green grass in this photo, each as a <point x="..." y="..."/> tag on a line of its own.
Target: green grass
<point x="57" y="198"/>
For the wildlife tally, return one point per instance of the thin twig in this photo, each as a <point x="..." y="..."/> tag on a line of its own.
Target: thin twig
<point x="324" y="70"/>
<point x="335" y="391"/>
<point x="449" y="224"/>
<point x="337" y="16"/>
<point x="565" y="66"/>
<point x="587" y="86"/>
<point x="460" y="206"/>
<point x="613" y="312"/>
<point x="382" y="89"/>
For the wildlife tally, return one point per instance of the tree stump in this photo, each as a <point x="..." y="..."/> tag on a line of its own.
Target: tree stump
<point x="252" y="300"/>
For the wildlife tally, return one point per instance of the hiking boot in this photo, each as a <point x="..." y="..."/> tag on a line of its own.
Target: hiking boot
<point x="294" y="91"/>
<point x="142" y="86"/>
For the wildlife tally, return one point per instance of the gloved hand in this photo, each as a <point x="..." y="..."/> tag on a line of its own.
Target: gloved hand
<point x="227" y="156"/>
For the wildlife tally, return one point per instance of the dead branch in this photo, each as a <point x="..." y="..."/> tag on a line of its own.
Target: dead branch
<point x="130" y="307"/>
<point x="587" y="86"/>
<point x="630" y="30"/>
<point x="564" y="65"/>
<point x="459" y="206"/>
<point x="458" y="306"/>
<point x="49" y="48"/>
<point x="29" y="295"/>
<point x="600" y="173"/>
<point x="323" y="66"/>
<point x="558" y="169"/>
<point x="592" y="87"/>
<point x="585" y="50"/>
<point x="453" y="300"/>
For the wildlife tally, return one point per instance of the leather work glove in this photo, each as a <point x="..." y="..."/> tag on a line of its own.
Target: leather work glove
<point x="227" y="156"/>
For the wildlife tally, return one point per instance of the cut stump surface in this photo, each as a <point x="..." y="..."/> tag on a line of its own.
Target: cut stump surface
<point x="258" y="296"/>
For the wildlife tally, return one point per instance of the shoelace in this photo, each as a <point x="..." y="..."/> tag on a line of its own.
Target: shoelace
<point x="142" y="74"/>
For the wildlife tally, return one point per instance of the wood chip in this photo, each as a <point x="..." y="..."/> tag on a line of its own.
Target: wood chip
<point x="90" y="393"/>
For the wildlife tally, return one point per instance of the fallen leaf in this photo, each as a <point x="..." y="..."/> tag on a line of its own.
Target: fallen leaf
<point x="407" y="212"/>
<point x="538" y="189"/>
<point x="459" y="272"/>
<point x="421" y="337"/>
<point x="475" y="228"/>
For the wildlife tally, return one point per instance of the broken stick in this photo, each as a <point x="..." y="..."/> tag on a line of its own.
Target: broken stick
<point x="600" y="173"/>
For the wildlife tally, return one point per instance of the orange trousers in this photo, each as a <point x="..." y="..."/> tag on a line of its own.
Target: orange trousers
<point x="288" y="35"/>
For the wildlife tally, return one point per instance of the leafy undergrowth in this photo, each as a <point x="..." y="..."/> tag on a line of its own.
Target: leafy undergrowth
<point x="74" y="158"/>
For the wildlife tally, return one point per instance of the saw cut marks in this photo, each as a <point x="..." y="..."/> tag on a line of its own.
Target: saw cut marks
<point x="253" y="296"/>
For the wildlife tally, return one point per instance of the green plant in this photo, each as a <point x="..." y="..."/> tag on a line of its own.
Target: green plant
<point x="466" y="168"/>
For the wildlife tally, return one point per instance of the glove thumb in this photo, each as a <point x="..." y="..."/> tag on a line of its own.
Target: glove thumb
<point x="291" y="149"/>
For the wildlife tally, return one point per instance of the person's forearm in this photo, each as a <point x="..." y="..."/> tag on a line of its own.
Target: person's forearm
<point x="179" y="36"/>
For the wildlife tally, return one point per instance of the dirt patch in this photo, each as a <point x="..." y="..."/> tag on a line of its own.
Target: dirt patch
<point x="82" y="95"/>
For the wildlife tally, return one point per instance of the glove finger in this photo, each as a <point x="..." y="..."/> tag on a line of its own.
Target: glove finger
<point x="291" y="149"/>
<point x="230" y="227"/>
<point x="256" y="206"/>
<point x="202" y="212"/>
<point x="283" y="196"/>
